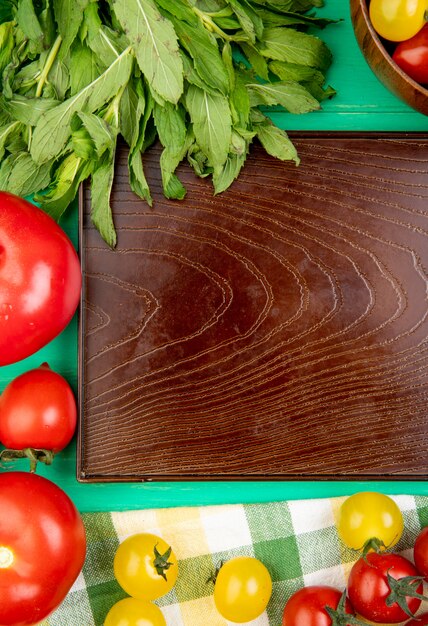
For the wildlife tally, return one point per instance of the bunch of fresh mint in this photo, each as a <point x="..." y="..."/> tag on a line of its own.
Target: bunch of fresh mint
<point x="194" y="73"/>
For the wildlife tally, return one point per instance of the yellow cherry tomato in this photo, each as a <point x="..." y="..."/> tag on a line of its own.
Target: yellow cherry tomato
<point x="242" y="589"/>
<point x="397" y="20"/>
<point x="369" y="515"/>
<point x="132" y="612"/>
<point x="145" y="566"/>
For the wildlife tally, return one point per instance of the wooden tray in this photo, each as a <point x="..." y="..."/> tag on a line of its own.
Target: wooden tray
<point x="276" y="331"/>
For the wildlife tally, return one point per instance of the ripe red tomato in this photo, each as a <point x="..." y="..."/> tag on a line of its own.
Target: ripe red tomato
<point x="412" y="56"/>
<point x="307" y="606"/>
<point x="420" y="552"/>
<point x="37" y="410"/>
<point x="42" y="547"/>
<point x="420" y="620"/>
<point x="369" y="588"/>
<point x="40" y="279"/>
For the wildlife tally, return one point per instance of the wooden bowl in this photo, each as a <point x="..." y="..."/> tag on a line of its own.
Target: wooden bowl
<point x="380" y="60"/>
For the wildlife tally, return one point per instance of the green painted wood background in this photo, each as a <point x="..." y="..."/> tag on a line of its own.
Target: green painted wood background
<point x="362" y="104"/>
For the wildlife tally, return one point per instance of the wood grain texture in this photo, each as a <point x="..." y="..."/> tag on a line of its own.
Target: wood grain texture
<point x="278" y="330"/>
<point x="380" y="60"/>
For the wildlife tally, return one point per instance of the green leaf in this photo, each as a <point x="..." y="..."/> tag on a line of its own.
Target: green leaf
<point x="290" y="18"/>
<point x="182" y="10"/>
<point x="203" y="48"/>
<point x="69" y="16"/>
<point x="70" y="173"/>
<point x="53" y="128"/>
<point x="59" y="77"/>
<point x="256" y="60"/>
<point x="27" y="177"/>
<point x="29" y="110"/>
<point x="296" y="72"/>
<point x="248" y="18"/>
<point x="290" y="5"/>
<point x="240" y="102"/>
<point x="171" y="127"/>
<point x="137" y="178"/>
<point x="5" y="132"/>
<point x="155" y="45"/>
<point x="83" y="67"/>
<point x="27" y="20"/>
<point x="101" y="185"/>
<point x="7" y="44"/>
<point x="276" y="142"/>
<point x="103" y="135"/>
<point x="191" y="75"/>
<point x="287" y="44"/>
<point x="6" y="169"/>
<point x="212" y="123"/>
<point x="47" y="23"/>
<point x="7" y="10"/>
<point x="291" y="95"/>
<point x="106" y="44"/>
<point x="130" y="113"/>
<point x="224" y="177"/>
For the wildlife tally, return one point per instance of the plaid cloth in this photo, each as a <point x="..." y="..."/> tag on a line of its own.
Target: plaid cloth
<point x="296" y="540"/>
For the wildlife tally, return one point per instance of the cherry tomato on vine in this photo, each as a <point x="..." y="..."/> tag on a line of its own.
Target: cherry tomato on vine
<point x="40" y="279"/>
<point x="377" y="591"/>
<point x="308" y="606"/>
<point x="369" y="516"/>
<point x="42" y="547"/>
<point x="243" y="588"/>
<point x="133" y="612"/>
<point x="420" y="552"/>
<point x="397" y="20"/>
<point x="412" y="56"/>
<point x="37" y="410"/>
<point x="145" y="566"/>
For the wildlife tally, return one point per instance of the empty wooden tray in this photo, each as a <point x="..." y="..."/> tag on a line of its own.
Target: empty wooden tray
<point x="276" y="331"/>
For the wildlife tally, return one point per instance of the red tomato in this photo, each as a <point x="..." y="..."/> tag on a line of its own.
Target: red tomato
<point x="420" y="620"/>
<point x="412" y="56"/>
<point x="42" y="547"/>
<point x="306" y="607"/>
<point x="420" y="552"/>
<point x="368" y="587"/>
<point x="37" y="410"/>
<point x="40" y="279"/>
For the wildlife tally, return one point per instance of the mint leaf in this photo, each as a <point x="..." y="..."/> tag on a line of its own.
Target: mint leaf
<point x="53" y="128"/>
<point x="7" y="44"/>
<point x="101" y="185"/>
<point x="27" y="177"/>
<point x="28" y="22"/>
<point x="212" y="123"/>
<point x="289" y="94"/>
<point x="203" y="48"/>
<point x="224" y="177"/>
<point x="287" y="44"/>
<point x="69" y="16"/>
<point x="276" y="141"/>
<point x="155" y="45"/>
<point x="29" y="110"/>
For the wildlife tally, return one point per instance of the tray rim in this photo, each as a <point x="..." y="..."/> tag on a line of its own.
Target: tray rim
<point x="85" y="478"/>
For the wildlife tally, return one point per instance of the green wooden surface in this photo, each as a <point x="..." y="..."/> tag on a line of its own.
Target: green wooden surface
<point x="362" y="103"/>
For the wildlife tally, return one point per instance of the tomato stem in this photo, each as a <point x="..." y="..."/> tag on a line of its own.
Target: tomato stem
<point x="339" y="616"/>
<point x="403" y="588"/>
<point x="34" y="455"/>
<point x="161" y="562"/>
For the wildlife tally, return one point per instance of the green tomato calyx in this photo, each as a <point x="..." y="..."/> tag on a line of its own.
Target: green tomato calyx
<point x="374" y="545"/>
<point x="403" y="588"/>
<point x="161" y="562"/>
<point x="34" y="455"/>
<point x="339" y="616"/>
